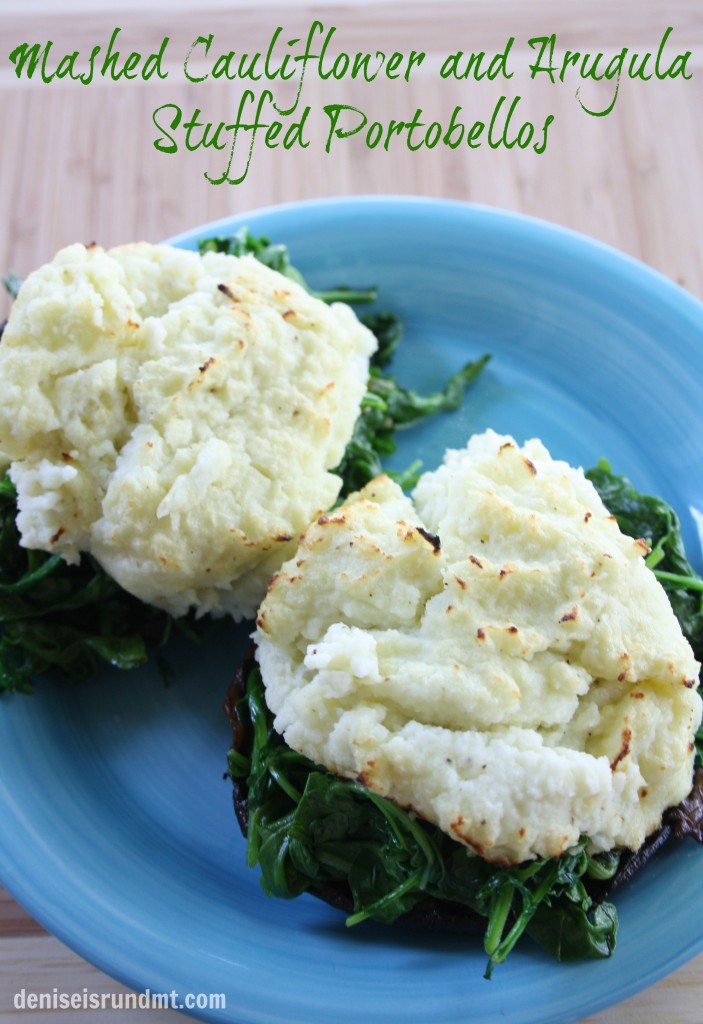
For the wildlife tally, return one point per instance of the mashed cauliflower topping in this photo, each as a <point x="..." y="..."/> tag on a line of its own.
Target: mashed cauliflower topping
<point x="495" y="656"/>
<point x="177" y="416"/>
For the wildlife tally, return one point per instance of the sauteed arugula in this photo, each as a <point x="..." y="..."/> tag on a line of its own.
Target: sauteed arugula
<point x="307" y="828"/>
<point x="65" y="618"/>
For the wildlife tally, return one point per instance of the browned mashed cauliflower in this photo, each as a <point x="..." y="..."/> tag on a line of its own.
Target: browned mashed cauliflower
<point x="176" y="416"/>
<point x="494" y="654"/>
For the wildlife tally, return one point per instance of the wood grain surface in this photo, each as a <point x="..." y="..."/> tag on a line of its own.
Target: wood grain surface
<point x="79" y="163"/>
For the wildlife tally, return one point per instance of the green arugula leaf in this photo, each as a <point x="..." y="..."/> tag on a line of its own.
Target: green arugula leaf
<point x="12" y="284"/>
<point x="388" y="329"/>
<point x="572" y="932"/>
<point x="388" y="407"/>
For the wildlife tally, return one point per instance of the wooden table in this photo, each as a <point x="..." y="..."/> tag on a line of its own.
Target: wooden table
<point x="79" y="163"/>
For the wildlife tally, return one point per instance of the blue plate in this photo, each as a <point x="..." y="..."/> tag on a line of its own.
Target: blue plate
<point x="117" y="828"/>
